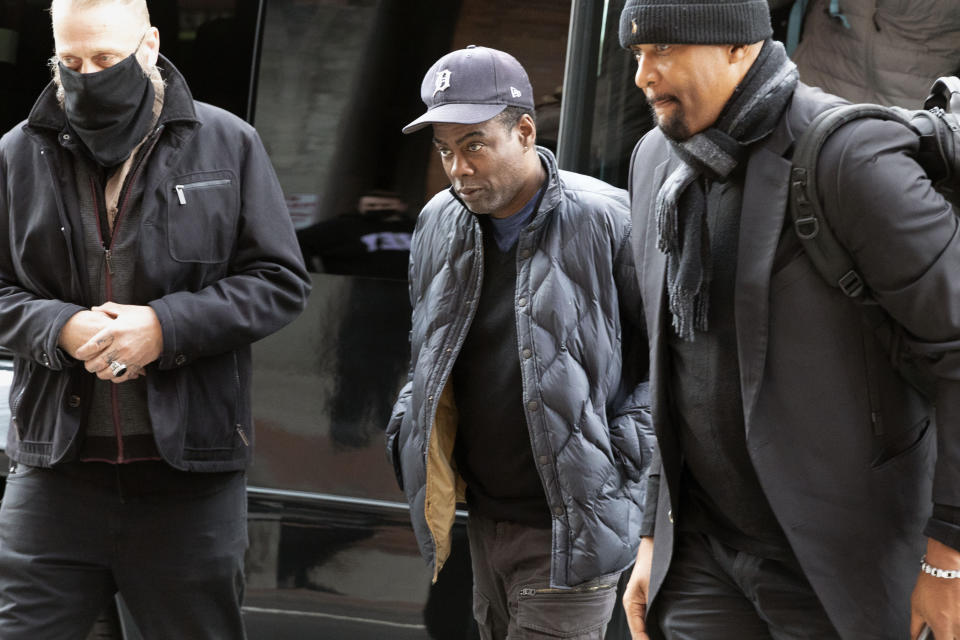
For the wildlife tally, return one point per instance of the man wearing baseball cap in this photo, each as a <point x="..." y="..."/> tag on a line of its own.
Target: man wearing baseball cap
<point x="526" y="395"/>
<point x="794" y="492"/>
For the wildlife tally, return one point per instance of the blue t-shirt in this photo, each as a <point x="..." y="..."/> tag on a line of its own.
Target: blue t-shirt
<point x="506" y="231"/>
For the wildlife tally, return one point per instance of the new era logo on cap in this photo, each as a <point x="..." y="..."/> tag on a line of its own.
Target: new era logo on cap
<point x="472" y="85"/>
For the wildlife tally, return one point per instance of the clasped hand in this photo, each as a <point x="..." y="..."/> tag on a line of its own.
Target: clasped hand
<point x="111" y="332"/>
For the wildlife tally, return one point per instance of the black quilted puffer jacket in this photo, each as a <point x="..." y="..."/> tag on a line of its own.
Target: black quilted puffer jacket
<point x="582" y="352"/>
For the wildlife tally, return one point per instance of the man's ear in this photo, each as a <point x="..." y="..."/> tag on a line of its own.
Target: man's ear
<point x="743" y="53"/>
<point x="527" y="129"/>
<point x="737" y="52"/>
<point x="152" y="42"/>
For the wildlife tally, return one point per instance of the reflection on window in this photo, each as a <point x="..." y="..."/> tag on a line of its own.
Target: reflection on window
<point x="621" y="114"/>
<point x="337" y="81"/>
<point x="372" y="241"/>
<point x="309" y="74"/>
<point x="213" y="47"/>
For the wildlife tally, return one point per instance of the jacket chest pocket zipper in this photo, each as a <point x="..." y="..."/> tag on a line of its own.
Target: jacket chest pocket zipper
<point x="181" y="189"/>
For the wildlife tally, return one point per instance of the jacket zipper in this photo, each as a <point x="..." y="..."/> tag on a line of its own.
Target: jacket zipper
<point x="236" y="379"/>
<point x="14" y="406"/>
<point x="114" y="396"/>
<point x="124" y="199"/>
<point x="181" y="188"/>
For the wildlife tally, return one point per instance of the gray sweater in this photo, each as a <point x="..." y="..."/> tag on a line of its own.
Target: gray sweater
<point x="118" y="425"/>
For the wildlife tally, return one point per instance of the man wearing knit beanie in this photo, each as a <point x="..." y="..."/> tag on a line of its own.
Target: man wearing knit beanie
<point x="797" y="471"/>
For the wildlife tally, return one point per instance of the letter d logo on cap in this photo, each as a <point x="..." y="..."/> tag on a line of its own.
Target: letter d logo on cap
<point x="442" y="82"/>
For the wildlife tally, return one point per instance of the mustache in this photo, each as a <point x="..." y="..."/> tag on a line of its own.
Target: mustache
<point x="651" y="100"/>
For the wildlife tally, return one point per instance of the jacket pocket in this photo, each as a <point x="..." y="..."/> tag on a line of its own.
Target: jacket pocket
<point x="213" y="407"/>
<point x="481" y="613"/>
<point x="901" y="445"/>
<point x="202" y="216"/>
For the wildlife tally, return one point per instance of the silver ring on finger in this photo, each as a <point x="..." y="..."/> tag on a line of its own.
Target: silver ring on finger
<point x="118" y="368"/>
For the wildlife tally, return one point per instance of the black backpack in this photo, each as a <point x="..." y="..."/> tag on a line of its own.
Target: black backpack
<point x="938" y="126"/>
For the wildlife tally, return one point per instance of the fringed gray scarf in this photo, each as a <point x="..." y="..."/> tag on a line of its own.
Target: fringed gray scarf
<point x="750" y="115"/>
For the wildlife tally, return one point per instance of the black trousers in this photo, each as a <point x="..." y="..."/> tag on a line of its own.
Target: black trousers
<point x="170" y="542"/>
<point x="714" y="592"/>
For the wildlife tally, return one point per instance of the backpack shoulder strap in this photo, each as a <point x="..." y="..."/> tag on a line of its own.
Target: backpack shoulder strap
<point x="826" y="253"/>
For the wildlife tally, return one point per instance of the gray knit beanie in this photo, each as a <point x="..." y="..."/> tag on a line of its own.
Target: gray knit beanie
<point x="694" y="22"/>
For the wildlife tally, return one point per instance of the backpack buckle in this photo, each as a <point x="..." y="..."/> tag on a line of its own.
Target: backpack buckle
<point x="851" y="284"/>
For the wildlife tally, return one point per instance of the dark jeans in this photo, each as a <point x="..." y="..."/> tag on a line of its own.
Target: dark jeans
<point x="714" y="592"/>
<point x="512" y="597"/>
<point x="170" y="542"/>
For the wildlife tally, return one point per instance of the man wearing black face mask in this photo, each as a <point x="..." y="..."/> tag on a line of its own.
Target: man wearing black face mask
<point x="111" y="110"/>
<point x="148" y="246"/>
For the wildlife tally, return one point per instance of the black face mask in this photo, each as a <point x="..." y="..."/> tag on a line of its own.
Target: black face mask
<point x="111" y="110"/>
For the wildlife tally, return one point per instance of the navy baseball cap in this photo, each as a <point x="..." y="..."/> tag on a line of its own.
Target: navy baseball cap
<point x="472" y="85"/>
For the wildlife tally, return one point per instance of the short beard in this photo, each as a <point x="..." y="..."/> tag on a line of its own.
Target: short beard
<point x="159" y="86"/>
<point x="675" y="126"/>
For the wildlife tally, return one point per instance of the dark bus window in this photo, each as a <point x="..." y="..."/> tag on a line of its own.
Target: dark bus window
<point x="211" y="42"/>
<point x="621" y="115"/>
<point x="26" y="44"/>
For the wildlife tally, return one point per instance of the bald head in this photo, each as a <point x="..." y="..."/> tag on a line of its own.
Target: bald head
<point x="137" y="8"/>
<point x="93" y="35"/>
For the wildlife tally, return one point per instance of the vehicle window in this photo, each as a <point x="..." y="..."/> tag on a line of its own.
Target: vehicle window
<point x="26" y="43"/>
<point x="621" y="115"/>
<point x="211" y="42"/>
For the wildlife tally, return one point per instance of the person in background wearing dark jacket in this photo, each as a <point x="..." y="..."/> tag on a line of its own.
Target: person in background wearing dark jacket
<point x="800" y="478"/>
<point x="147" y="246"/>
<point x="371" y="242"/>
<point x="525" y="311"/>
